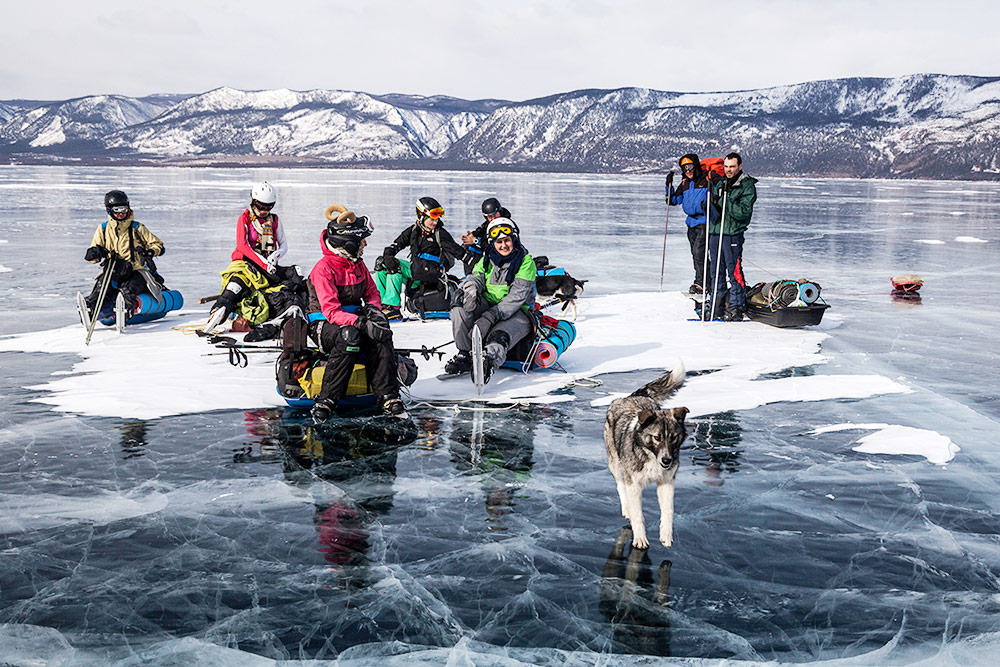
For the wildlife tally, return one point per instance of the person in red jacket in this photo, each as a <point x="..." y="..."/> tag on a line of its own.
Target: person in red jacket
<point x="343" y="291"/>
<point x="260" y="243"/>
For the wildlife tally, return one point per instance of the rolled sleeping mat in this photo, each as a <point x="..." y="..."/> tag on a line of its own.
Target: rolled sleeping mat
<point x="552" y="345"/>
<point x="808" y="292"/>
<point x="147" y="309"/>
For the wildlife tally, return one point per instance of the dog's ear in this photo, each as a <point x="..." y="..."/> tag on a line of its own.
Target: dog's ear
<point x="646" y="418"/>
<point x="679" y="414"/>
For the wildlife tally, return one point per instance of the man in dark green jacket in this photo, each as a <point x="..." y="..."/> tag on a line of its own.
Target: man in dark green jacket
<point x="733" y="197"/>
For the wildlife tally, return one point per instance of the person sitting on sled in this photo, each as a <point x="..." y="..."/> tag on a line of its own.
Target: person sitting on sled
<point x="126" y="249"/>
<point x="475" y="240"/>
<point x="260" y="243"/>
<point x="352" y="322"/>
<point x="497" y="298"/>
<point x="433" y="252"/>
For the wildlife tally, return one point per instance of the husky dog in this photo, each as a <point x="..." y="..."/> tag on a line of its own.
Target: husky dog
<point x="643" y="444"/>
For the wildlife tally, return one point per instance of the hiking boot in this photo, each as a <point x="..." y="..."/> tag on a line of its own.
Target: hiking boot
<point x="490" y="366"/>
<point x="322" y="409"/>
<point x="695" y="289"/>
<point x="460" y="363"/>
<point x="262" y="332"/>
<point x="392" y="406"/>
<point x="392" y="313"/>
<point x="734" y="315"/>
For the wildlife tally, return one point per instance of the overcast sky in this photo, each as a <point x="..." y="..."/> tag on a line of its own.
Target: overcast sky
<point x="507" y="49"/>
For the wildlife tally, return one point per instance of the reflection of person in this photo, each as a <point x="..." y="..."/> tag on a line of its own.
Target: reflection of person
<point x="496" y="298"/>
<point x="692" y="195"/>
<point x="501" y="458"/>
<point x="717" y="447"/>
<point x="357" y="452"/>
<point x="342" y="290"/>
<point x="432" y="253"/>
<point x="733" y="197"/>
<point x="126" y="242"/>
<point x="475" y="240"/>
<point x="634" y="606"/>
<point x="134" y="438"/>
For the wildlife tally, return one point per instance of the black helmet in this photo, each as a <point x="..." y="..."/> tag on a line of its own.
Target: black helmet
<point x="113" y="199"/>
<point x="428" y="207"/>
<point x="491" y="206"/>
<point x="346" y="230"/>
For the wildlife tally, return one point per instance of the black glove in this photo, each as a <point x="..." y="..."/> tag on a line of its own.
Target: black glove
<point x="373" y="324"/>
<point x="470" y="257"/>
<point x="486" y="322"/>
<point x="145" y="254"/>
<point x="96" y="253"/>
<point x="668" y="185"/>
<point x="390" y="264"/>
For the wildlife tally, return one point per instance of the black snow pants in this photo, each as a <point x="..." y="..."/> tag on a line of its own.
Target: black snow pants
<point x="344" y="344"/>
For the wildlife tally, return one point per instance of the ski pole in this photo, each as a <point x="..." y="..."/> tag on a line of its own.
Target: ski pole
<point x="105" y="281"/>
<point x="718" y="259"/>
<point x="708" y="219"/>
<point x="668" y="184"/>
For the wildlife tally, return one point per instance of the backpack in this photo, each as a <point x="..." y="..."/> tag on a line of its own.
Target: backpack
<point x="713" y="164"/>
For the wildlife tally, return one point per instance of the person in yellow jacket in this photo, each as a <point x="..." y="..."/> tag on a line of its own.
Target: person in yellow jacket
<point x="130" y="247"/>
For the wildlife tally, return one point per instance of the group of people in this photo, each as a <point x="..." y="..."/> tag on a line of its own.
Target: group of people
<point x="722" y="205"/>
<point x="349" y="310"/>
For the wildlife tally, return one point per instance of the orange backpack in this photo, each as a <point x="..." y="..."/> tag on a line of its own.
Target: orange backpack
<point x="713" y="164"/>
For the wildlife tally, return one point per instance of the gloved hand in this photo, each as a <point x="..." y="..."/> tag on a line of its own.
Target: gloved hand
<point x="470" y="295"/>
<point x="390" y="264"/>
<point x="96" y="253"/>
<point x="373" y="324"/>
<point x="470" y="257"/>
<point x="145" y="254"/>
<point x="486" y="322"/>
<point x="668" y="186"/>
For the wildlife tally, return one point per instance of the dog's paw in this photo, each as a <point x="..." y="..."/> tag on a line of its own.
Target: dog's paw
<point x="640" y="542"/>
<point x="666" y="537"/>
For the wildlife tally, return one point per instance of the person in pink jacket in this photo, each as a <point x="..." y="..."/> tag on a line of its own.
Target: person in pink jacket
<point x="346" y="319"/>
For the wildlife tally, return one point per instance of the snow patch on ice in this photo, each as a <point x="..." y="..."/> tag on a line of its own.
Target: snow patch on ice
<point x="969" y="239"/>
<point x="5" y="269"/>
<point x="895" y="439"/>
<point x="929" y="241"/>
<point x="616" y="333"/>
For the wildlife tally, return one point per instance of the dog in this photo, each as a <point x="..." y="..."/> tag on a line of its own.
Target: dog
<point x="643" y="445"/>
<point x="564" y="287"/>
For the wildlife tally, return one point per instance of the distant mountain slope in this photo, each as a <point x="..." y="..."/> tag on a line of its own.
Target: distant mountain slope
<point x="338" y="126"/>
<point x="924" y="125"/>
<point x="78" y="121"/>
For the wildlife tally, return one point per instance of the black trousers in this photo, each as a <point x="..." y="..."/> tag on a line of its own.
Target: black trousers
<point x="131" y="287"/>
<point x="379" y="359"/>
<point x="696" y="237"/>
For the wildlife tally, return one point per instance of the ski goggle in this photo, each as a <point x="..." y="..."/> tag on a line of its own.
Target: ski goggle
<point x="433" y="213"/>
<point x="499" y="231"/>
<point x="688" y="167"/>
<point x="261" y="206"/>
<point x="117" y="210"/>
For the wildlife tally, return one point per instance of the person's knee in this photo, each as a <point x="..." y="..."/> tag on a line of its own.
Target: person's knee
<point x="347" y="340"/>
<point x="498" y="336"/>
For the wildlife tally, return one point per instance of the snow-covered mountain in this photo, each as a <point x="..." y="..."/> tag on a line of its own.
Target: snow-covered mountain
<point x="337" y="126"/>
<point x="925" y="125"/>
<point x="79" y="123"/>
<point x="922" y="125"/>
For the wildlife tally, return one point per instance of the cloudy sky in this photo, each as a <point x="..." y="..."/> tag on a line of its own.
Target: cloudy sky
<point x="508" y="49"/>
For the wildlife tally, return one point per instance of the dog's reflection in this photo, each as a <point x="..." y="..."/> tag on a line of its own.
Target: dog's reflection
<point x="634" y="604"/>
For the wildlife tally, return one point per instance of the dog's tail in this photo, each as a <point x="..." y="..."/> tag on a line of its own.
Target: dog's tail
<point x="664" y="387"/>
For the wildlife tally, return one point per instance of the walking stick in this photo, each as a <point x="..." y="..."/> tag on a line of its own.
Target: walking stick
<point x="718" y="259"/>
<point x="668" y="183"/>
<point x="105" y="281"/>
<point x="708" y="220"/>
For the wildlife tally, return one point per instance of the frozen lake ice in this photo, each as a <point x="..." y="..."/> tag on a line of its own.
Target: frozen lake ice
<point x="837" y="497"/>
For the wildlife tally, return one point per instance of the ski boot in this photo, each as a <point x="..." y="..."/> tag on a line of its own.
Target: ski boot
<point x="322" y="409"/>
<point x="459" y="364"/>
<point x="392" y="406"/>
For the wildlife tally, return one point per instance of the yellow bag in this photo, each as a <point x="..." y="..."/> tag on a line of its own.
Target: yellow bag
<point x="312" y="380"/>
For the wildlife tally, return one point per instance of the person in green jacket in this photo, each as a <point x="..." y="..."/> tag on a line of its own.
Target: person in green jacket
<point x="497" y="298"/>
<point x="733" y="198"/>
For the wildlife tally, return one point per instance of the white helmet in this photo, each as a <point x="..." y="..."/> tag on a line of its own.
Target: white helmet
<point x="264" y="193"/>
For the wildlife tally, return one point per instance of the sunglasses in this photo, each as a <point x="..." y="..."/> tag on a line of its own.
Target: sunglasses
<point x="119" y="209"/>
<point x="433" y="213"/>
<point x="500" y="230"/>
<point x="261" y="206"/>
